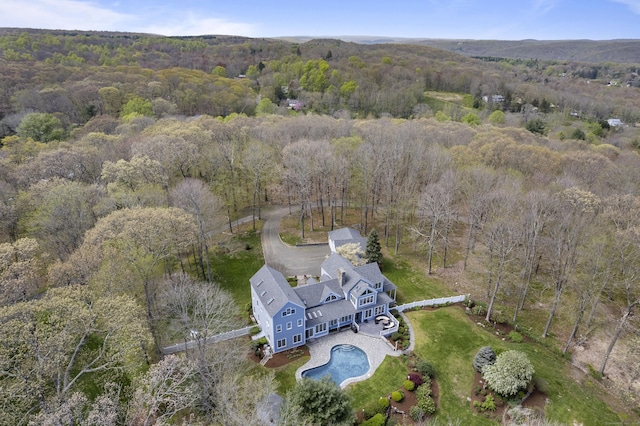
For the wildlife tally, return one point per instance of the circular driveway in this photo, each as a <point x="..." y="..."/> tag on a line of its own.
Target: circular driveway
<point x="287" y="259"/>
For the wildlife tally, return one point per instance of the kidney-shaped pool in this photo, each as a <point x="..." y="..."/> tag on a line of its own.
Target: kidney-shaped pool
<point x="346" y="361"/>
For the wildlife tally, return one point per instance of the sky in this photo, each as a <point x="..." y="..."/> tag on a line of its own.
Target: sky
<point x="445" y="19"/>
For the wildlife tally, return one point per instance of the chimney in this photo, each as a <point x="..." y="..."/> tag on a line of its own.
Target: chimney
<point x="340" y="276"/>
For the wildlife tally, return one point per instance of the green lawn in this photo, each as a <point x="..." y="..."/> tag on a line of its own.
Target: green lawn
<point x="286" y="375"/>
<point x="232" y="270"/>
<point x="412" y="284"/>
<point x="387" y="378"/>
<point x="449" y="340"/>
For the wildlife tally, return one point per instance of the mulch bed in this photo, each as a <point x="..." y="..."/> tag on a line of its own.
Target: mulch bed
<point x="282" y="358"/>
<point x="535" y="401"/>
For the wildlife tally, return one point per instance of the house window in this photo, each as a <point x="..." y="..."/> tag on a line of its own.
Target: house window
<point x="378" y="286"/>
<point x="279" y="328"/>
<point x="321" y="327"/>
<point x="297" y="338"/>
<point x="300" y="322"/>
<point x="333" y="322"/>
<point x="281" y="343"/>
<point x="331" y="298"/>
<point x="367" y="313"/>
<point x="289" y="325"/>
<point x="288" y="311"/>
<point x="345" y="319"/>
<point x="379" y="310"/>
<point x="366" y="300"/>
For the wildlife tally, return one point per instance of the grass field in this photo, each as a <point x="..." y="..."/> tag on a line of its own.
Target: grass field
<point x="384" y="381"/>
<point x="449" y="340"/>
<point x="233" y="266"/>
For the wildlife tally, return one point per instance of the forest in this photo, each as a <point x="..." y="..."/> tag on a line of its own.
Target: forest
<point x="122" y="156"/>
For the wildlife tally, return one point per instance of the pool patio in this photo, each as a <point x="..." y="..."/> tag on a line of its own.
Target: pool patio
<point x="375" y="347"/>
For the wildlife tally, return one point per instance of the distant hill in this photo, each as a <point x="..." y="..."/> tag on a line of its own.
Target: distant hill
<point x="620" y="51"/>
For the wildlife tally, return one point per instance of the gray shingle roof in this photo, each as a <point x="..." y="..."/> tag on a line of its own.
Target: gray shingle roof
<point x="344" y="236"/>
<point x="371" y="271"/>
<point x="273" y="290"/>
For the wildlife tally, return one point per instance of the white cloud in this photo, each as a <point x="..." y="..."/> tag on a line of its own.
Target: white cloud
<point x="542" y="7"/>
<point x="190" y="24"/>
<point x="634" y="5"/>
<point x="61" y="14"/>
<point x="88" y="15"/>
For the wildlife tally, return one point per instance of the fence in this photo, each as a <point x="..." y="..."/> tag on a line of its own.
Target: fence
<point x="432" y="302"/>
<point x="179" y="347"/>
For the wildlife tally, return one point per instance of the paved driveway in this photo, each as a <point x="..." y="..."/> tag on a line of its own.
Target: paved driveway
<point x="287" y="259"/>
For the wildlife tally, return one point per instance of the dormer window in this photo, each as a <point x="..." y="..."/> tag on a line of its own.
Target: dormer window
<point x="365" y="300"/>
<point x="288" y="311"/>
<point x="331" y="298"/>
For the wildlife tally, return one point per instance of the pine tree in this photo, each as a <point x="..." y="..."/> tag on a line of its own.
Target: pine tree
<point x="373" y="253"/>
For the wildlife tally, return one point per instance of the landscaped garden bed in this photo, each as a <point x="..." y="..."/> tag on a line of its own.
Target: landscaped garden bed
<point x="414" y="400"/>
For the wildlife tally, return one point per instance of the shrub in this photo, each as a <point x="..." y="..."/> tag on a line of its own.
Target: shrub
<point x="511" y="373"/>
<point x="409" y="385"/>
<point x="515" y="337"/>
<point x="485" y="356"/>
<point x="254" y="330"/>
<point x="397" y="396"/>
<point x="396" y="336"/>
<point x="416" y="379"/>
<point x="425" y="368"/>
<point x="416" y="413"/>
<point x="423" y="391"/>
<point x="377" y="420"/>
<point x="262" y="341"/>
<point x="383" y="403"/>
<point x="489" y="403"/>
<point x="428" y="405"/>
<point x="371" y="409"/>
<point x="478" y="310"/>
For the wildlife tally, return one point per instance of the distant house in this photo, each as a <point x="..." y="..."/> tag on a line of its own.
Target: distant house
<point x="343" y="236"/>
<point x="295" y="104"/>
<point x="494" y="98"/>
<point x="344" y="294"/>
<point x="614" y="122"/>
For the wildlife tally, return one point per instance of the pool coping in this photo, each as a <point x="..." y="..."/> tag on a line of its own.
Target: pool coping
<point x="375" y="348"/>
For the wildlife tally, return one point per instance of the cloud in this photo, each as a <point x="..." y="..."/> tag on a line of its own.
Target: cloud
<point x="61" y="14"/>
<point x="542" y="7"/>
<point x="634" y="5"/>
<point x="86" y="15"/>
<point x="191" y="24"/>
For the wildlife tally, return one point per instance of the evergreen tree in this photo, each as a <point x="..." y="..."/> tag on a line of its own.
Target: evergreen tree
<point x="373" y="253"/>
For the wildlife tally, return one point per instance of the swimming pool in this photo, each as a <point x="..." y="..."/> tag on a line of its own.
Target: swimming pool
<point x="346" y="361"/>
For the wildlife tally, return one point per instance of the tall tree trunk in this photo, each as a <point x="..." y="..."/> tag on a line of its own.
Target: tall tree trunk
<point x="446" y="246"/>
<point x="554" y="308"/>
<point x="397" y="246"/>
<point x="614" y="339"/>
<point x="574" y="331"/>
<point x="302" y="220"/>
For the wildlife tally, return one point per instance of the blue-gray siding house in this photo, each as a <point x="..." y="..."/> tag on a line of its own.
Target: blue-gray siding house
<point x="344" y="294"/>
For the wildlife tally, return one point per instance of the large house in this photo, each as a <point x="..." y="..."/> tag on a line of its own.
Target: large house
<point x="344" y="295"/>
